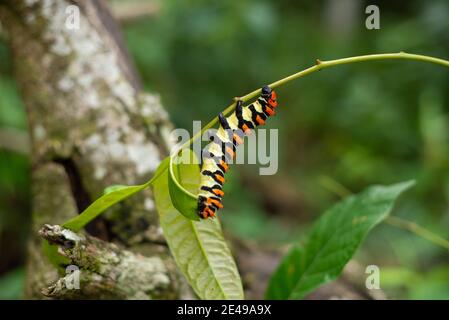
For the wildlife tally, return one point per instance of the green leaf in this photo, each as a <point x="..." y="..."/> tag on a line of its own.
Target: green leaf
<point x="100" y="205"/>
<point x="286" y="276"/>
<point x="183" y="200"/>
<point x="334" y="239"/>
<point x="111" y="196"/>
<point x="198" y="247"/>
<point x="51" y="252"/>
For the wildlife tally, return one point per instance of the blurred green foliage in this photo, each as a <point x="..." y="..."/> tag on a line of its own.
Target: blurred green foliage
<point x="14" y="184"/>
<point x="411" y="284"/>
<point x="11" y="284"/>
<point x="379" y="122"/>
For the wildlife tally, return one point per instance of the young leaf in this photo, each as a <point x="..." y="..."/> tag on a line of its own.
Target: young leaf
<point x="100" y="205"/>
<point x="333" y="241"/>
<point x="111" y="196"/>
<point x="51" y="252"/>
<point x="198" y="247"/>
<point x="183" y="200"/>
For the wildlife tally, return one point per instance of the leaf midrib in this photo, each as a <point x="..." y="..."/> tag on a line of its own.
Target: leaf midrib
<point x="203" y="251"/>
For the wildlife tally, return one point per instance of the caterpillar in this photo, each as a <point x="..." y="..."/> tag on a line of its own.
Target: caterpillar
<point x="217" y="154"/>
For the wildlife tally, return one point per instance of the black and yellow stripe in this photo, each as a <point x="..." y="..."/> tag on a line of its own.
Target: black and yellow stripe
<point x="218" y="153"/>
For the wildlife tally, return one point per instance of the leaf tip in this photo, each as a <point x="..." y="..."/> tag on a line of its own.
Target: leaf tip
<point x="403" y="186"/>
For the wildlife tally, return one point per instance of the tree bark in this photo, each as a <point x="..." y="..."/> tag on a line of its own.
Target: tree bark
<point x="91" y="127"/>
<point x="109" y="272"/>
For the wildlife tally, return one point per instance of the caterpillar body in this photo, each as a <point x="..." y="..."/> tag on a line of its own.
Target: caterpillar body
<point x="217" y="154"/>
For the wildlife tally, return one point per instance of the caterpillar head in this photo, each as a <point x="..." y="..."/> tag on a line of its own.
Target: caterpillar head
<point x="270" y="96"/>
<point x="266" y="91"/>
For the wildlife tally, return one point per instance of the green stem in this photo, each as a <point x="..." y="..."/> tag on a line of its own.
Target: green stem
<point x="418" y="230"/>
<point x="340" y="190"/>
<point x="334" y="186"/>
<point x="317" y="67"/>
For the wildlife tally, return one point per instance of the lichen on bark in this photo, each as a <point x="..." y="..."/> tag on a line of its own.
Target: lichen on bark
<point x="91" y="126"/>
<point x="107" y="270"/>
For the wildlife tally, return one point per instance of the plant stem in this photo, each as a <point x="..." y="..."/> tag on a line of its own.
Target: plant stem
<point x="418" y="230"/>
<point x="340" y="190"/>
<point x="334" y="186"/>
<point x="318" y="66"/>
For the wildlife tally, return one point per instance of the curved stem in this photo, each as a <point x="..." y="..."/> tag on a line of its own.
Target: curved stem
<point x="418" y="230"/>
<point x="318" y="66"/>
<point x="340" y="190"/>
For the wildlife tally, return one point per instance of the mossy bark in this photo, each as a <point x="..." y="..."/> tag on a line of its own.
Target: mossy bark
<point x="107" y="271"/>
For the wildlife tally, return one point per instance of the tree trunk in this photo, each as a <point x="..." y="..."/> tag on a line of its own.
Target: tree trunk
<point x="91" y="127"/>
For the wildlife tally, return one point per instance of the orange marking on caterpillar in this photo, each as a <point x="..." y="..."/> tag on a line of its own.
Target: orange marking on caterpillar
<point x="220" y="178"/>
<point x="246" y="130"/>
<point x="237" y="139"/>
<point x="218" y="192"/>
<point x="260" y="121"/>
<point x="224" y="165"/>
<point x="230" y="151"/>
<point x="208" y="212"/>
<point x="270" y="111"/>
<point x="215" y="202"/>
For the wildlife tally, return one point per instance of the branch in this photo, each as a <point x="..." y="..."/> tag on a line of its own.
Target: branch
<point x="106" y="270"/>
